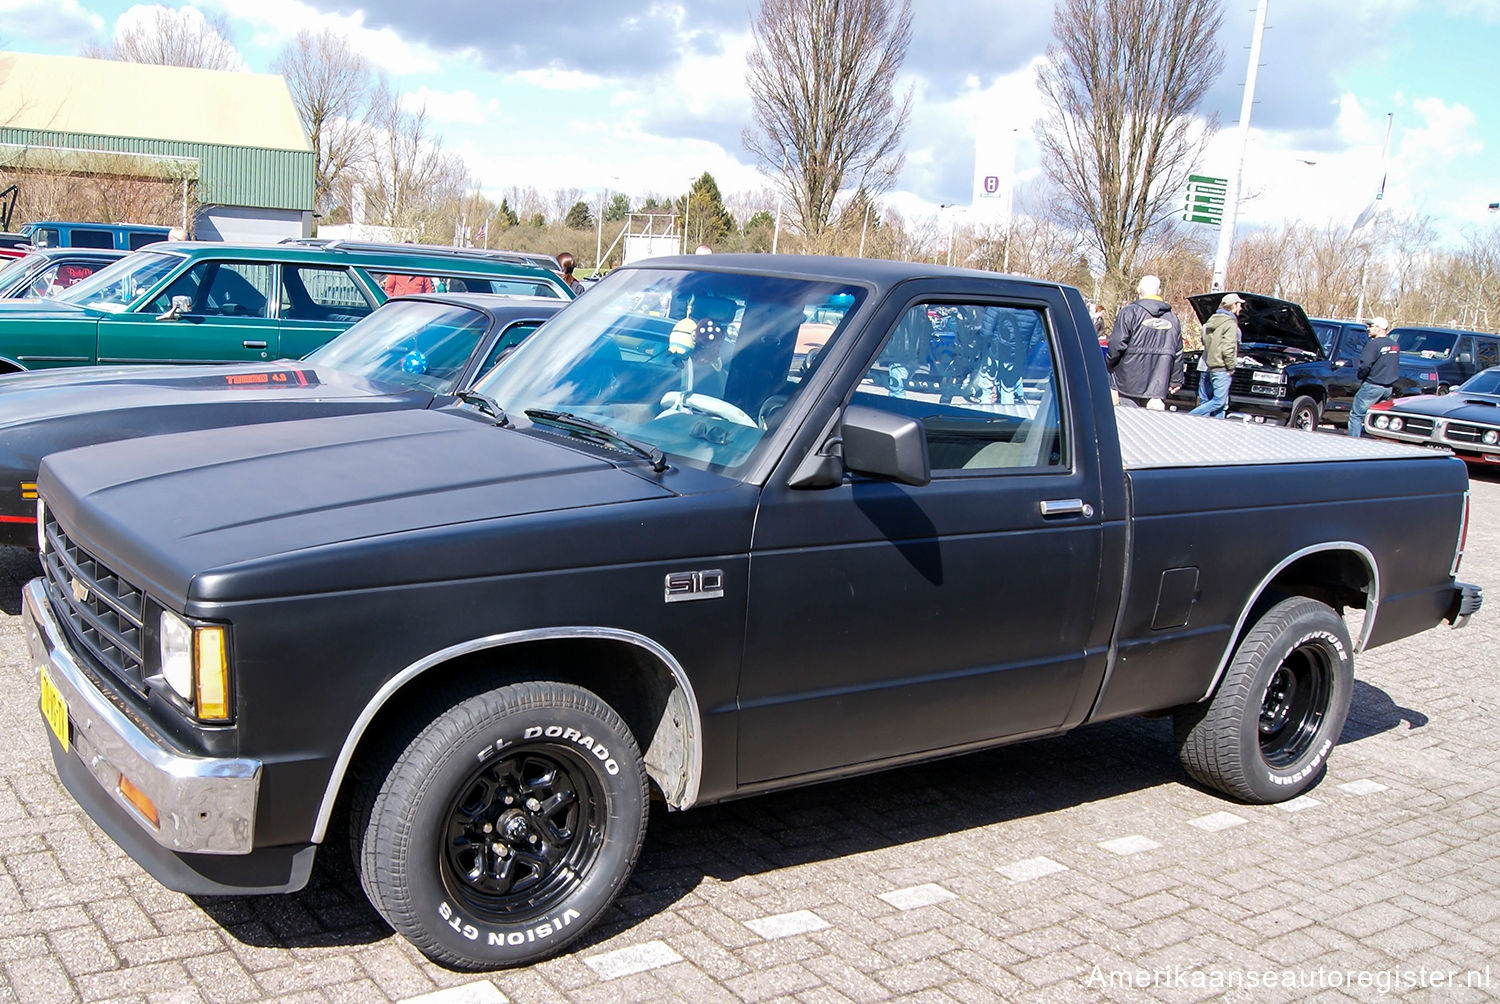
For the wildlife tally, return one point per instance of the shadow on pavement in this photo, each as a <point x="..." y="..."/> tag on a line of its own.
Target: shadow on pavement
<point x="808" y="825"/>
<point x="18" y="566"/>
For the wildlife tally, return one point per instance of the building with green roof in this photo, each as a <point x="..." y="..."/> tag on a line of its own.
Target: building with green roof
<point x="232" y="142"/>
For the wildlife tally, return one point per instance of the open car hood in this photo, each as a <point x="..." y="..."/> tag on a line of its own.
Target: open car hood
<point x="1265" y="320"/>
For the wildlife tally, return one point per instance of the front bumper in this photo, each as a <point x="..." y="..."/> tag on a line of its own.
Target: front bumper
<point x="205" y="805"/>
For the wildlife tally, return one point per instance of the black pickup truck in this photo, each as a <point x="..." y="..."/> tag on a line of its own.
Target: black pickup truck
<point x="1292" y="370"/>
<point x="737" y="523"/>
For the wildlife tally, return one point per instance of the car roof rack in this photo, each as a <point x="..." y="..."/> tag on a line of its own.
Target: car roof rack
<point x="378" y="247"/>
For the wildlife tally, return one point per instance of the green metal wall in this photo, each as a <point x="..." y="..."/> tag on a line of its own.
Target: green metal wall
<point x="227" y="175"/>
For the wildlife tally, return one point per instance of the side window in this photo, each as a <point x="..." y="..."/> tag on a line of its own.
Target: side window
<point x="221" y="289"/>
<point x="1352" y="345"/>
<point x="1488" y="353"/>
<point x="81" y="238"/>
<point x="981" y="379"/>
<point x="509" y="339"/>
<point x="138" y="240"/>
<point x="46" y="237"/>
<point x="1465" y="351"/>
<point x="310" y="293"/>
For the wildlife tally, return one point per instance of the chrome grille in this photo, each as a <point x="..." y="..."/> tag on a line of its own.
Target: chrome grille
<point x="1417" y="426"/>
<point x="104" y="612"/>
<point x="1463" y="432"/>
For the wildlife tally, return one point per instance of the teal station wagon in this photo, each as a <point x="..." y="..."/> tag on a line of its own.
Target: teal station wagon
<point x="189" y="302"/>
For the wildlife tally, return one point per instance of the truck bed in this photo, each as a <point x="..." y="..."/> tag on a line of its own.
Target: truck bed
<point x="1157" y="439"/>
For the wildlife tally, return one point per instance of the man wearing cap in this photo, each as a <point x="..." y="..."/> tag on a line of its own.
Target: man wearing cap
<point x="1144" y="357"/>
<point x="1221" y="348"/>
<point x="1379" y="366"/>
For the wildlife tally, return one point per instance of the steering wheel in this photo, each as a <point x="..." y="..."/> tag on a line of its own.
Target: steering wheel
<point x="677" y="402"/>
<point x="769" y="409"/>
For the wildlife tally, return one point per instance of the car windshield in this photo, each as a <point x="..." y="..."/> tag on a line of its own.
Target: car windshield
<point x="1483" y="382"/>
<point x="1427" y="344"/>
<point x="116" y="286"/>
<point x="700" y="365"/>
<point x="14" y="270"/>
<point x="411" y="344"/>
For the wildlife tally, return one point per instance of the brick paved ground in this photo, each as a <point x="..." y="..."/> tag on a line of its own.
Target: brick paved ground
<point x="1038" y="872"/>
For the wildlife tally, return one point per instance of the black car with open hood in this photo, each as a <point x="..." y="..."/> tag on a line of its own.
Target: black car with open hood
<point x="1291" y="370"/>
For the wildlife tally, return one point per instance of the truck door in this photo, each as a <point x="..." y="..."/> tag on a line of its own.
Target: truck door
<point x="887" y="619"/>
<point x="228" y="320"/>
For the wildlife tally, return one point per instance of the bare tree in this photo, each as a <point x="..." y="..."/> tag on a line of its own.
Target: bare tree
<point x="182" y="37"/>
<point x="411" y="182"/>
<point x="332" y="86"/>
<point x="1121" y="83"/>
<point x="822" y="82"/>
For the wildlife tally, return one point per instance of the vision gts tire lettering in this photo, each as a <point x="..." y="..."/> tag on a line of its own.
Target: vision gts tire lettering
<point x="506" y="827"/>
<point x="1266" y="733"/>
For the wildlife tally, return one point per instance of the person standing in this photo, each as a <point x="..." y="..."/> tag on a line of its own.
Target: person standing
<point x="1145" y="348"/>
<point x="1221" y="349"/>
<point x="1379" y="368"/>
<point x="565" y="259"/>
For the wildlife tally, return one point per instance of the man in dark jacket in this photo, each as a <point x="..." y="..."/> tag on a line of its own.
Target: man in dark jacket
<point x="1145" y="347"/>
<point x="1379" y="366"/>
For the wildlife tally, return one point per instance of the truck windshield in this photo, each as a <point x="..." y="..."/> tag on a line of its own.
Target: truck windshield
<point x="701" y="365"/>
<point x="115" y="287"/>
<point x="1427" y="344"/>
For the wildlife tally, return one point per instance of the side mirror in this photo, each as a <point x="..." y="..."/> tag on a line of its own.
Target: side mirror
<point x="180" y="305"/>
<point x="885" y="445"/>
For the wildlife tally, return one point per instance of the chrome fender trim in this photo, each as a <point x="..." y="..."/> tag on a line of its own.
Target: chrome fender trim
<point x="395" y="683"/>
<point x="1372" y="601"/>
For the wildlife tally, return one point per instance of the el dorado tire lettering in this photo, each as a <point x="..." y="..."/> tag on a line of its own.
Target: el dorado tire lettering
<point x="599" y="750"/>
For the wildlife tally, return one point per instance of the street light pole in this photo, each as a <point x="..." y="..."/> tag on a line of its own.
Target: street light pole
<point x="1232" y="202"/>
<point x="864" y="226"/>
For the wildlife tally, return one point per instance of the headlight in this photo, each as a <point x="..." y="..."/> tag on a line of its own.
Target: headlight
<point x="1380" y="421"/>
<point x="195" y="664"/>
<point x="1396" y="424"/>
<point x="1491" y="438"/>
<point x="41" y="526"/>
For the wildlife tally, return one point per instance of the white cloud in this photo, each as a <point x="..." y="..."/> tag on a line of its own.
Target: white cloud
<point x="274" y="23"/>
<point x="464" y="107"/>
<point x="559" y="80"/>
<point x="50" y="19"/>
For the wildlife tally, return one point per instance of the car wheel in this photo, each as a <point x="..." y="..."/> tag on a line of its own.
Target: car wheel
<point x="506" y="827"/>
<point x="1304" y="414"/>
<point x="1266" y="733"/>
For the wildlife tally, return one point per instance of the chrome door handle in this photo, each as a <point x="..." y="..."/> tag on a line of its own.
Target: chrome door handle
<point x="1066" y="507"/>
<point x="254" y="345"/>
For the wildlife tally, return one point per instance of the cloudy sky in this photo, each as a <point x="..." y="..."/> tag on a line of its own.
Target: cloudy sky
<point x="644" y="95"/>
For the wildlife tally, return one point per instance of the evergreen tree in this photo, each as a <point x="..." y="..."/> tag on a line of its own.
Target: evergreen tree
<point x="618" y="208"/>
<point x="579" y="217"/>
<point x="707" y="221"/>
<point x="507" y="215"/>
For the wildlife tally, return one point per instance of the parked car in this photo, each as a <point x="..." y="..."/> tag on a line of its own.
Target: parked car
<point x="413" y="352"/>
<point x="1292" y="370"/>
<point x="1466" y="421"/>
<point x="1438" y="359"/>
<point x="49" y="271"/>
<point x="682" y="556"/>
<point x="189" y="302"/>
<point x="121" y="236"/>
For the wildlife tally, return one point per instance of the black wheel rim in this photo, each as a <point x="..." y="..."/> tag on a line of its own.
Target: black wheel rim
<point x="1294" y="705"/>
<point x="521" y="833"/>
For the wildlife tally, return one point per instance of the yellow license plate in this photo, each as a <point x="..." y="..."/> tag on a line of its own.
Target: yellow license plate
<point x="55" y="710"/>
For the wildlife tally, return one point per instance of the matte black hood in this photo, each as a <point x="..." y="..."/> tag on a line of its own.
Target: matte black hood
<point x="1265" y="320"/>
<point x="178" y="509"/>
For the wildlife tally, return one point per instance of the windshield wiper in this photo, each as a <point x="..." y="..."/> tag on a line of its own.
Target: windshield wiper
<point x="486" y="404"/>
<point x="588" y="427"/>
